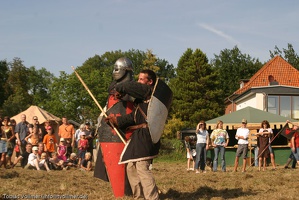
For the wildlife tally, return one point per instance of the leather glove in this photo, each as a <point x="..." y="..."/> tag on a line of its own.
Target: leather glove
<point x="111" y="120"/>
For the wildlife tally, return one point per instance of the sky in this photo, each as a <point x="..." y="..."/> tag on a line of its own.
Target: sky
<point x="59" y="34"/>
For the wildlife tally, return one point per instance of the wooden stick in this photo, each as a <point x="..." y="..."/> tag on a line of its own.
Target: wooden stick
<point x="94" y="99"/>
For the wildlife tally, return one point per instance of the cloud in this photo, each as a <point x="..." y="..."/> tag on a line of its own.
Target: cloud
<point x="220" y="33"/>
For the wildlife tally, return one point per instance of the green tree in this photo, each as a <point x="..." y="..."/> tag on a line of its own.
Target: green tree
<point x="39" y="82"/>
<point x="197" y="95"/>
<point x="232" y="66"/>
<point x="17" y="86"/>
<point x="3" y="78"/>
<point x="288" y="54"/>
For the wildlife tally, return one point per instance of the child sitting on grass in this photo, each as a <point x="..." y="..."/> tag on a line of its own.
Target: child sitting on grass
<point x="72" y="161"/>
<point x="86" y="162"/>
<point x="35" y="161"/>
<point x="56" y="163"/>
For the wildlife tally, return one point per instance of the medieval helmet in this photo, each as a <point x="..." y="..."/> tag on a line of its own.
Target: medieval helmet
<point x="121" y="66"/>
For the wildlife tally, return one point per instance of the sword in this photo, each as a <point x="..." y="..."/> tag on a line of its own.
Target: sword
<point x="94" y="99"/>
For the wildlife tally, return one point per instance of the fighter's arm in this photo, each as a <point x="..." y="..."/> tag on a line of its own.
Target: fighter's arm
<point x="134" y="89"/>
<point x="126" y="120"/>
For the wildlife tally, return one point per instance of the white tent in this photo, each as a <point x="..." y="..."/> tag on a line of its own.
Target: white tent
<point x="42" y="115"/>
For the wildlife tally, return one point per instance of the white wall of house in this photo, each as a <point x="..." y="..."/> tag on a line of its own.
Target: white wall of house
<point x="254" y="100"/>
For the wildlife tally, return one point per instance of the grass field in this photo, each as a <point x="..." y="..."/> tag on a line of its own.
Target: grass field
<point x="172" y="178"/>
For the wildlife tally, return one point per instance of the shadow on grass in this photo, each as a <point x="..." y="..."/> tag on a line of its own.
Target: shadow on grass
<point x="206" y="193"/>
<point x="8" y="175"/>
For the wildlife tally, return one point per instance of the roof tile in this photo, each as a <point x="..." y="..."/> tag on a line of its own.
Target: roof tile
<point x="283" y="72"/>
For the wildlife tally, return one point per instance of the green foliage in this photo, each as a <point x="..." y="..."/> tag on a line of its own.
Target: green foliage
<point x="196" y="93"/>
<point x="172" y="126"/>
<point x="171" y="150"/>
<point x="17" y="87"/>
<point x="3" y="78"/>
<point x="232" y="66"/>
<point x="289" y="55"/>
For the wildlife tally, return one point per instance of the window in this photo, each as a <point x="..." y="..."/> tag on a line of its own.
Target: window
<point x="295" y="108"/>
<point x="287" y="106"/>
<point x="272" y="104"/>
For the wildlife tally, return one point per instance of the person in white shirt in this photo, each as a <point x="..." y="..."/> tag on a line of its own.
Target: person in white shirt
<point x="202" y="145"/>
<point x="242" y="137"/>
<point x="35" y="161"/>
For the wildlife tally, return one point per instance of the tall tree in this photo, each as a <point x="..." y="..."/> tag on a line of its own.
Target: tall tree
<point x="3" y="78"/>
<point x="289" y="55"/>
<point x="233" y="66"/>
<point x="39" y="82"/>
<point x="197" y="94"/>
<point x="17" y="85"/>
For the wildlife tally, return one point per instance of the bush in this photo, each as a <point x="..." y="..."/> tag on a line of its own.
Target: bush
<point x="172" y="150"/>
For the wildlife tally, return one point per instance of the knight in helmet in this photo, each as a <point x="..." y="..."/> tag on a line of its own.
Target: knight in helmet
<point x="110" y="143"/>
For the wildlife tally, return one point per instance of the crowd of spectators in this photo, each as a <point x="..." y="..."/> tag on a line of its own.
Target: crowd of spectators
<point x="37" y="146"/>
<point x="219" y="139"/>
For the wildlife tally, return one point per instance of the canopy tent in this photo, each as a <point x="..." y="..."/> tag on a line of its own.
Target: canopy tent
<point x="42" y="115"/>
<point x="253" y="116"/>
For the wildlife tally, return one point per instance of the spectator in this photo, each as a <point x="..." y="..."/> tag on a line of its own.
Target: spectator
<point x="89" y="136"/>
<point x="24" y="157"/>
<point x="189" y="154"/>
<point x="8" y="141"/>
<point x="202" y="145"/>
<point x="21" y="132"/>
<point x="263" y="144"/>
<point x="272" y="158"/>
<point x="61" y="150"/>
<point x="220" y="139"/>
<point x="41" y="148"/>
<point x="67" y="132"/>
<point x="50" y="142"/>
<point x="86" y="162"/>
<point x="73" y="161"/>
<point x="35" y="161"/>
<point x="295" y="142"/>
<point x="290" y="159"/>
<point x="77" y="134"/>
<point x="57" y="164"/>
<point x="82" y="146"/>
<point x="242" y="137"/>
<point x="44" y="130"/>
<point x="33" y="137"/>
<point x="35" y="129"/>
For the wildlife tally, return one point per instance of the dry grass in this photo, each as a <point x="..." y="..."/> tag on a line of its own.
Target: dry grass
<point x="172" y="179"/>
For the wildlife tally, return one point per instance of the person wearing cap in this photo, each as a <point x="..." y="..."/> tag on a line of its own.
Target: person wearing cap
<point x="242" y="137"/>
<point x="35" y="161"/>
<point x="67" y="131"/>
<point x="50" y="142"/>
